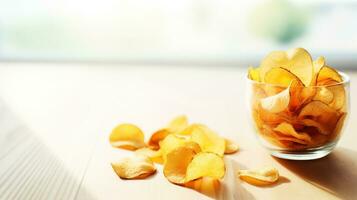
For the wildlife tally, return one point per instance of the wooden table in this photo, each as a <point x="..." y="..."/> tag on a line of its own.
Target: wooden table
<point x="55" y="120"/>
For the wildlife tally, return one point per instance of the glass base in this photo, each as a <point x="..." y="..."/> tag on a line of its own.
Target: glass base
<point x="310" y="154"/>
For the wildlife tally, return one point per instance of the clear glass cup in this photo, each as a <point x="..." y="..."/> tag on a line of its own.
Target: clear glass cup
<point x="318" y="126"/>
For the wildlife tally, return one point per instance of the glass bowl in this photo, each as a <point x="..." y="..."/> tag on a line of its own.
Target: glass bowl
<point x="310" y="125"/>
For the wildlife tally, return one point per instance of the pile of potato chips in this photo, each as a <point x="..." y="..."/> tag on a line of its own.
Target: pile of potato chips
<point x="297" y="103"/>
<point x="188" y="152"/>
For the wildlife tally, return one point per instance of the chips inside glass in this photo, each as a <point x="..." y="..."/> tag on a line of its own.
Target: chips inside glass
<point x="297" y="103"/>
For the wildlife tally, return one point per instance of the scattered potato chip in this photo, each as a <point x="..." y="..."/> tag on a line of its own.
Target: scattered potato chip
<point x="208" y="140"/>
<point x="259" y="177"/>
<point x="287" y="129"/>
<point x="157" y="137"/>
<point x="178" y="124"/>
<point x="155" y="156"/>
<point x="298" y="61"/>
<point x="127" y="136"/>
<point x="205" y="164"/>
<point x="206" y="185"/>
<point x="231" y="147"/>
<point x="175" y="166"/>
<point x="173" y="141"/>
<point x="135" y="167"/>
<point x="280" y="76"/>
<point x="276" y="103"/>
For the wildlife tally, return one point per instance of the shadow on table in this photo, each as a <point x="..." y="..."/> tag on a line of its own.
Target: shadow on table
<point x="28" y="168"/>
<point x="335" y="173"/>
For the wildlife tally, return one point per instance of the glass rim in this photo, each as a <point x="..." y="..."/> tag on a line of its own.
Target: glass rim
<point x="345" y="81"/>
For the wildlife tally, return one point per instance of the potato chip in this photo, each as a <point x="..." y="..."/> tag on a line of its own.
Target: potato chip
<point x="276" y="103"/>
<point x="176" y="125"/>
<point x="317" y="64"/>
<point x="339" y="125"/>
<point x="280" y="139"/>
<point x="176" y="164"/>
<point x="321" y="113"/>
<point x="231" y="147"/>
<point x="208" y="140"/>
<point x="263" y="116"/>
<point x="326" y="73"/>
<point x="324" y="95"/>
<point x="287" y="129"/>
<point x="298" y="61"/>
<point x="259" y="177"/>
<point x="299" y="95"/>
<point x="157" y="137"/>
<point x="323" y="129"/>
<point x="127" y="136"/>
<point x="155" y="156"/>
<point x="339" y="96"/>
<point x="135" y="167"/>
<point x="205" y="164"/>
<point x="280" y="76"/>
<point x="253" y="73"/>
<point x="173" y="141"/>
<point x="206" y="185"/>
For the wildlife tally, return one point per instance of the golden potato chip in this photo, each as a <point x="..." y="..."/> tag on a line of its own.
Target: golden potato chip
<point x="339" y="125"/>
<point x="157" y="137"/>
<point x="205" y="164"/>
<point x="339" y="96"/>
<point x="176" y="125"/>
<point x="135" y="167"/>
<point x="287" y="129"/>
<point x="317" y="64"/>
<point x="231" y="147"/>
<point x="326" y="73"/>
<point x="263" y="116"/>
<point x="279" y="138"/>
<point x="299" y="95"/>
<point x="175" y="166"/>
<point x="260" y="177"/>
<point x="155" y="156"/>
<point x="323" y="129"/>
<point x="208" y="140"/>
<point x="298" y="61"/>
<point x="253" y="73"/>
<point x="324" y="95"/>
<point x="276" y="103"/>
<point x="320" y="113"/>
<point x="206" y="185"/>
<point x="127" y="136"/>
<point x="280" y="76"/>
<point x="173" y="141"/>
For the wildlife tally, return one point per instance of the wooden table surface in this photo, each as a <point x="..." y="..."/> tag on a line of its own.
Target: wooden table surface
<point x="55" y="120"/>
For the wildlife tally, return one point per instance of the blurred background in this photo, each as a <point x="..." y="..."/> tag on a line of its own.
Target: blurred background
<point x="199" y="32"/>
